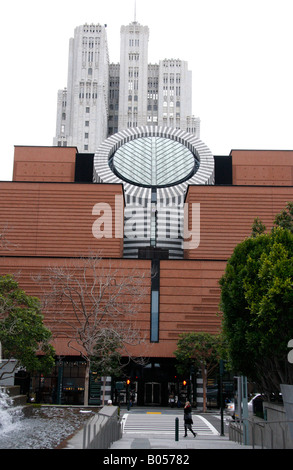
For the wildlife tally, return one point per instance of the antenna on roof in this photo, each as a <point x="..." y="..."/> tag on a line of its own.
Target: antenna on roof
<point x="134" y="11"/>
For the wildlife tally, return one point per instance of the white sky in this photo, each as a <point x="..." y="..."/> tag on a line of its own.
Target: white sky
<point x="240" y="53"/>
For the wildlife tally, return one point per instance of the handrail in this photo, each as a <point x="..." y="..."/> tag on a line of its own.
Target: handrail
<point x="102" y="430"/>
<point x="268" y="435"/>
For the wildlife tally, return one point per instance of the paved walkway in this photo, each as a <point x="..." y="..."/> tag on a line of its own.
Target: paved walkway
<point x="156" y="430"/>
<point x="153" y="441"/>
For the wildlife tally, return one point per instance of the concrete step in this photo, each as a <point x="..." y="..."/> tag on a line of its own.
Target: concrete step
<point x="12" y="390"/>
<point x="14" y="393"/>
<point x="19" y="400"/>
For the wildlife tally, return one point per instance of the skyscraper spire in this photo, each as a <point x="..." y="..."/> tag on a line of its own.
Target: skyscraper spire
<point x="134" y="11"/>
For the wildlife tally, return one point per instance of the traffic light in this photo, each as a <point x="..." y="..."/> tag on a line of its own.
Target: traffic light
<point x="128" y="393"/>
<point x="184" y="383"/>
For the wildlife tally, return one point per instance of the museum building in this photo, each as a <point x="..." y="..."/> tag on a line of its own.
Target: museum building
<point x="153" y="199"/>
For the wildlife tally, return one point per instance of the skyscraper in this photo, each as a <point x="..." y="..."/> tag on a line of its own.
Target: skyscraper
<point x="82" y="110"/>
<point x="133" y="89"/>
<point x="102" y="98"/>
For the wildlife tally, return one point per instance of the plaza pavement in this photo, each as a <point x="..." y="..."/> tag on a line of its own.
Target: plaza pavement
<point x="141" y="438"/>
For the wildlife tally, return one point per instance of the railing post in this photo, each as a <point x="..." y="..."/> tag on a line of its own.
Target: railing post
<point x="84" y="437"/>
<point x="252" y="432"/>
<point x="89" y="436"/>
<point x="283" y="437"/>
<point x="176" y="429"/>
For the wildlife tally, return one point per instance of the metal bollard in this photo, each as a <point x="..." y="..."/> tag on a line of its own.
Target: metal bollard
<point x="176" y="429"/>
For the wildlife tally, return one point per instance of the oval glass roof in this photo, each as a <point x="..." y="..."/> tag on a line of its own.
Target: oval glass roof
<point x="154" y="161"/>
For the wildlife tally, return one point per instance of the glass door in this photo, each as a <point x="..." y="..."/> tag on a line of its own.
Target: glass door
<point x="152" y="393"/>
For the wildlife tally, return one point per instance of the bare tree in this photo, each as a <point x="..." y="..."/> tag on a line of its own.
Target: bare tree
<point x="91" y="300"/>
<point x="5" y="243"/>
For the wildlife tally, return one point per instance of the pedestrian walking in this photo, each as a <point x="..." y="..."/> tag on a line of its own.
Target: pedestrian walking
<point x="188" y="419"/>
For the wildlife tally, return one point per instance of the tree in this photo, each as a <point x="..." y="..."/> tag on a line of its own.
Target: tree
<point x="201" y="350"/>
<point x="258" y="227"/>
<point x="5" y="243"/>
<point x="90" y="303"/>
<point x="285" y="218"/>
<point x="22" y="333"/>
<point x="107" y="357"/>
<point x="257" y="306"/>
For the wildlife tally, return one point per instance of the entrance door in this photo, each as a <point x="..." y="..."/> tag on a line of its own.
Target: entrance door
<point x="152" y="393"/>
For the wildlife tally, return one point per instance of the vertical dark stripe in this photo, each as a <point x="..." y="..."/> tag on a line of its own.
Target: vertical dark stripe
<point x="155" y="301"/>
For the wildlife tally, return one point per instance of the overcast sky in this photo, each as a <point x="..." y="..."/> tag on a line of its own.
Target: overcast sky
<point x="240" y="53"/>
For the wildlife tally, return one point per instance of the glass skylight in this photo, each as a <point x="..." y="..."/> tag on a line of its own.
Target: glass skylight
<point x="154" y="161"/>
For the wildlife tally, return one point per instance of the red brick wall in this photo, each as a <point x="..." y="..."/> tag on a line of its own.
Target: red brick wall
<point x="31" y="274"/>
<point x="227" y="214"/>
<point x="189" y="297"/>
<point x="262" y="167"/>
<point x="49" y="222"/>
<point x="56" y="219"/>
<point x="55" y="164"/>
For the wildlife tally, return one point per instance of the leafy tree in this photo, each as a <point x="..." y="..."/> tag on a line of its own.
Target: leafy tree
<point x="257" y="306"/>
<point x="201" y="350"/>
<point x="258" y="227"/>
<point x="22" y="333"/>
<point x="285" y="218"/>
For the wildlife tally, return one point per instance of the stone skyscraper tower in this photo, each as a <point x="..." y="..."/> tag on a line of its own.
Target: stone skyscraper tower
<point x="82" y="109"/>
<point x="133" y="89"/>
<point x="102" y="98"/>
